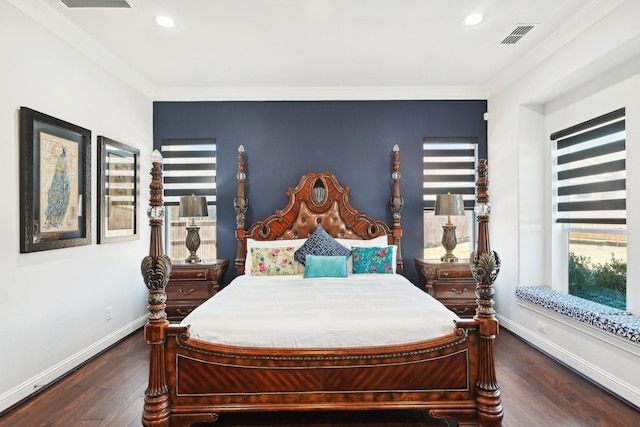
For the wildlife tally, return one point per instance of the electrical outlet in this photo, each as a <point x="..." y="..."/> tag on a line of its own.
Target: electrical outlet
<point x="107" y="313"/>
<point x="542" y="327"/>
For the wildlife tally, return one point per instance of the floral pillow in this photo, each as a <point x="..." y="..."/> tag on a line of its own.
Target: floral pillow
<point x="251" y="243"/>
<point x="372" y="260"/>
<point x="273" y="261"/>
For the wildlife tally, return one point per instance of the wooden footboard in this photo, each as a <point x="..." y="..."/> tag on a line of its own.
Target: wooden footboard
<point x="206" y="379"/>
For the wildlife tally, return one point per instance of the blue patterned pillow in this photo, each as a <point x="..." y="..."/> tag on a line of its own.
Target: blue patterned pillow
<point x="320" y="243"/>
<point x="372" y="260"/>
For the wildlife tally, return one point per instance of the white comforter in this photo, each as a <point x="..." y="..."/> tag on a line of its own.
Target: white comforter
<point x="292" y="312"/>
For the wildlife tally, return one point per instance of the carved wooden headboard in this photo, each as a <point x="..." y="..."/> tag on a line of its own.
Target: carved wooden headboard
<point x="318" y="199"/>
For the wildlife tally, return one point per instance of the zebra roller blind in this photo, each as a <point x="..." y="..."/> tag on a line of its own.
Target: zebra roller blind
<point x="449" y="167"/>
<point x="591" y="171"/>
<point x="189" y="167"/>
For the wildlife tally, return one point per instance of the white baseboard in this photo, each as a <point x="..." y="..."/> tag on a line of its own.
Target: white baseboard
<point x="615" y="385"/>
<point x="32" y="385"/>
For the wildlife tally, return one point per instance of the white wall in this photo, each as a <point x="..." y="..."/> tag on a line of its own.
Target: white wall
<point x="53" y="302"/>
<point x="594" y="74"/>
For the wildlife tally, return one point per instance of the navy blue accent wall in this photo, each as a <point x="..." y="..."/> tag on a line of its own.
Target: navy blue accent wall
<point x="352" y="139"/>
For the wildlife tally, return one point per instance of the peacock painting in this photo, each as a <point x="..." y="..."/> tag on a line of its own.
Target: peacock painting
<point x="58" y="193"/>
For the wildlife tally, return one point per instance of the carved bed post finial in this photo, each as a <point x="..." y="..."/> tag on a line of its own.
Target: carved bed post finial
<point x="485" y="266"/>
<point x="156" y="268"/>
<point x="241" y="203"/>
<point x="397" y="203"/>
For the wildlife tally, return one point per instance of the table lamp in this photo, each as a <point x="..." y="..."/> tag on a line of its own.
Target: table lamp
<point x="449" y="204"/>
<point x="193" y="207"/>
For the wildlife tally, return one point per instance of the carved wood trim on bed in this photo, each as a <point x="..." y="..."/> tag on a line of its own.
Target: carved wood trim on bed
<point x="317" y="200"/>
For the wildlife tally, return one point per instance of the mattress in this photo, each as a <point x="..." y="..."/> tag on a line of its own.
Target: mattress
<point x="294" y="312"/>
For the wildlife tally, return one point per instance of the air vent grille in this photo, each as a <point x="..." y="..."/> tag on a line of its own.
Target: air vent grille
<point x="96" y="3"/>
<point x="520" y="31"/>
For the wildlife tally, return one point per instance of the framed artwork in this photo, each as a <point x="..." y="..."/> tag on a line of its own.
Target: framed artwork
<point x="55" y="180"/>
<point x="118" y="191"/>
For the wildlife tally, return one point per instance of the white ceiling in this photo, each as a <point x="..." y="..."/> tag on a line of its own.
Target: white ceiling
<point x="403" y="46"/>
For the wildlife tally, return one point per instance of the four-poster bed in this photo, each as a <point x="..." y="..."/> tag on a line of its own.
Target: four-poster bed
<point x="450" y="374"/>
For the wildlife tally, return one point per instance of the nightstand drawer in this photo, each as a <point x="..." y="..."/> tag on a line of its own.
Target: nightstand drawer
<point x="180" y="310"/>
<point x="462" y="310"/>
<point x="186" y="291"/>
<point x="454" y="273"/>
<point x="447" y="291"/>
<point x="189" y="274"/>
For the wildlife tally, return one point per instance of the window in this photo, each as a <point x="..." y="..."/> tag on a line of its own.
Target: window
<point x="590" y="201"/>
<point x="449" y="167"/>
<point x="189" y="168"/>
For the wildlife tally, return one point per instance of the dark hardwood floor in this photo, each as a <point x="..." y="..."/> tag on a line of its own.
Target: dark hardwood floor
<point x="536" y="391"/>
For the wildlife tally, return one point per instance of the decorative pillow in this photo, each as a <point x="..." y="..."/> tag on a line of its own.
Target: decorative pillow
<point x="379" y="241"/>
<point x="372" y="260"/>
<point x="376" y="242"/>
<point x="252" y="243"/>
<point x="320" y="243"/>
<point x="273" y="261"/>
<point x="325" y="266"/>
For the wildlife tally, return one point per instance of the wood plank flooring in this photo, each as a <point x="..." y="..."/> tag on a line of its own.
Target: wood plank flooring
<point x="536" y="391"/>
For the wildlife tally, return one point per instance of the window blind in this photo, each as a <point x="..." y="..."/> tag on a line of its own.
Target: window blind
<point x="449" y="166"/>
<point x="189" y="168"/>
<point x="591" y="171"/>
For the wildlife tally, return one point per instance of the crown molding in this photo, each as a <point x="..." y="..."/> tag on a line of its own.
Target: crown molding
<point x="344" y="93"/>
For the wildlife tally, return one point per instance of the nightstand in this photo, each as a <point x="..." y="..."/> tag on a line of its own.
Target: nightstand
<point x="191" y="284"/>
<point x="451" y="283"/>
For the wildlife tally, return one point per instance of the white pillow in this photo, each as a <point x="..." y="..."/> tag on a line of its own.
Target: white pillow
<point x="252" y="243"/>
<point x="376" y="242"/>
<point x="381" y="241"/>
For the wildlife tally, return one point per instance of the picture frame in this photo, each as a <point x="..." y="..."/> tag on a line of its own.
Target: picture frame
<point x="55" y="181"/>
<point x="118" y="191"/>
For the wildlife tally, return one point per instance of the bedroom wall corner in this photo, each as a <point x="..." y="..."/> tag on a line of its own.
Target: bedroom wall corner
<point x="54" y="301"/>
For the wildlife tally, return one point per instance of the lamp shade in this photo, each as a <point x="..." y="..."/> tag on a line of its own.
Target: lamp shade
<point x="449" y="204"/>
<point x="193" y="207"/>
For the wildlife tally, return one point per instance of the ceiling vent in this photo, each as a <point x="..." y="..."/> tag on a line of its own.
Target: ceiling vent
<point x="97" y="3"/>
<point x="519" y="32"/>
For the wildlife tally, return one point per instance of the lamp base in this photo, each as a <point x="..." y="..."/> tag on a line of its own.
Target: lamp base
<point x="449" y="257"/>
<point x="193" y="243"/>
<point x="449" y="242"/>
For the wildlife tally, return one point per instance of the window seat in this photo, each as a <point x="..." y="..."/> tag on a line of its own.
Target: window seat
<point x="617" y="322"/>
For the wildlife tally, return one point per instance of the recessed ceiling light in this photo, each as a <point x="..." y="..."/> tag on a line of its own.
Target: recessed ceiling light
<point x="165" y="21"/>
<point x="473" y="19"/>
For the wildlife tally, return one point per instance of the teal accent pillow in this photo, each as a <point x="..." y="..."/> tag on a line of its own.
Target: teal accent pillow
<point x="320" y="243"/>
<point x="325" y="266"/>
<point x="372" y="260"/>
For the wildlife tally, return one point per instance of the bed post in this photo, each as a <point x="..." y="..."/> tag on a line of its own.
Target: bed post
<point x="397" y="202"/>
<point x="241" y="203"/>
<point x="156" y="268"/>
<point x="485" y="266"/>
